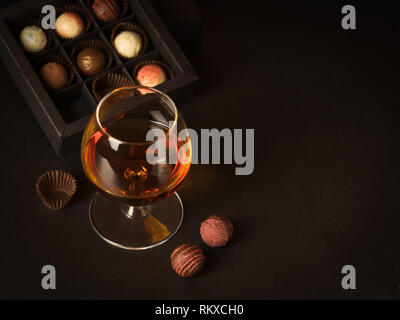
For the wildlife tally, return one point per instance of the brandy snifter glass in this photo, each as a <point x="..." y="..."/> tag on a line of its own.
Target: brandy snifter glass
<point x="136" y="206"/>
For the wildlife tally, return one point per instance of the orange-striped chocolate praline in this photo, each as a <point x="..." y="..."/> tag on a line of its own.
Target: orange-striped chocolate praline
<point x="187" y="260"/>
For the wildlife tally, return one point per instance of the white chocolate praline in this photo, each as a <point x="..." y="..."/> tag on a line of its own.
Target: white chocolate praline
<point x="128" y="44"/>
<point x="69" y="25"/>
<point x="33" y="39"/>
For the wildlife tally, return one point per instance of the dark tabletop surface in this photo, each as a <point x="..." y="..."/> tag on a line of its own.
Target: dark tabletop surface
<point x="324" y="105"/>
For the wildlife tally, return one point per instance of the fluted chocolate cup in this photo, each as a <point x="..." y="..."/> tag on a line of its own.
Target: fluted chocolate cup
<point x="56" y="189"/>
<point x="96" y="44"/>
<point x="124" y="6"/>
<point x="133" y="27"/>
<point x="107" y="83"/>
<point x="57" y="59"/>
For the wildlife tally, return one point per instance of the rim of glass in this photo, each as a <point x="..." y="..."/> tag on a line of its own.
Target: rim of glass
<point x="174" y="109"/>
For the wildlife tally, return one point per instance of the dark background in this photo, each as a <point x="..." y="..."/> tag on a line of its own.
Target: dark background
<point x="324" y="105"/>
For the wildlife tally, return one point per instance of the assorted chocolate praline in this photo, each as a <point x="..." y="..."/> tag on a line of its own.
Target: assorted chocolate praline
<point x="54" y="75"/>
<point x="128" y="44"/>
<point x="91" y="61"/>
<point x="187" y="260"/>
<point x="69" y="25"/>
<point x="216" y="230"/>
<point x="33" y="39"/>
<point x="106" y="10"/>
<point x="151" y="75"/>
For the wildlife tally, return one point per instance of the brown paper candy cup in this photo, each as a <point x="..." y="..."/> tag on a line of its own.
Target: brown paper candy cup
<point x="57" y="59"/>
<point x="56" y="189"/>
<point x="78" y="10"/>
<point x="38" y="23"/>
<point x="130" y="26"/>
<point x="92" y="43"/>
<point x="107" y="83"/>
<point x="168" y="71"/>
<point x="123" y="5"/>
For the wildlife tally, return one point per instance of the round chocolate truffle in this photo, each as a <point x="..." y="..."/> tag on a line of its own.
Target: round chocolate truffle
<point x="106" y="10"/>
<point x="69" y="25"/>
<point x="54" y="75"/>
<point x="128" y="44"/>
<point x="187" y="260"/>
<point x="33" y="39"/>
<point x="216" y="230"/>
<point x="91" y="61"/>
<point x="151" y="75"/>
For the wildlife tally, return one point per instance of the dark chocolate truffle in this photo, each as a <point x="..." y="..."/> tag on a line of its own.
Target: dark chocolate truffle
<point x="151" y="75"/>
<point x="187" y="260"/>
<point x="91" y="61"/>
<point x="106" y="10"/>
<point x="54" y="75"/>
<point x="33" y="39"/>
<point x="216" y="230"/>
<point x="69" y="25"/>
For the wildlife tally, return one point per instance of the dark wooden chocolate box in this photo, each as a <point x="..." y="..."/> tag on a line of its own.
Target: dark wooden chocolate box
<point x="63" y="114"/>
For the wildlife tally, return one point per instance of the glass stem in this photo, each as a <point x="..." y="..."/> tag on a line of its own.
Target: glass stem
<point x="135" y="212"/>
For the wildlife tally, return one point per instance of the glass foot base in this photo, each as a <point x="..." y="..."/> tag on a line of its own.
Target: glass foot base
<point x="117" y="224"/>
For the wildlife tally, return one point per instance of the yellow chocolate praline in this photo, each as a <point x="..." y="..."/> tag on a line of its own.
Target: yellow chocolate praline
<point x="33" y="39"/>
<point x="69" y="25"/>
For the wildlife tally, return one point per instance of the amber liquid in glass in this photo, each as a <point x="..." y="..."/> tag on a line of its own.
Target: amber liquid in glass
<point x="121" y="170"/>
